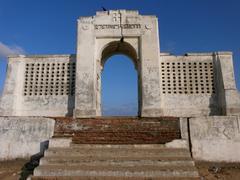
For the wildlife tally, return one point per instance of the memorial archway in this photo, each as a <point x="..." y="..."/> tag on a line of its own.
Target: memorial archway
<point x="114" y="32"/>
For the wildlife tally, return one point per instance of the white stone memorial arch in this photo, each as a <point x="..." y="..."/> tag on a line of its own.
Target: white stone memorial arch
<point x="195" y="84"/>
<point x="198" y="87"/>
<point x="109" y="33"/>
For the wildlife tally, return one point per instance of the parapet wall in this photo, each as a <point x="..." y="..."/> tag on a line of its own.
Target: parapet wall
<point x="193" y="85"/>
<point x="215" y="138"/>
<point x="198" y="84"/>
<point x="23" y="137"/>
<point x="39" y="86"/>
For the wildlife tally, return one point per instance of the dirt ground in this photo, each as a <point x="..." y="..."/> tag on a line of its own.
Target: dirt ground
<point x="20" y="169"/>
<point x="223" y="171"/>
<point x="17" y="169"/>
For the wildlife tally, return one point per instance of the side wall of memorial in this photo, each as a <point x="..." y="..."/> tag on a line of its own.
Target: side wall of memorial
<point x="39" y="86"/>
<point x="198" y="84"/>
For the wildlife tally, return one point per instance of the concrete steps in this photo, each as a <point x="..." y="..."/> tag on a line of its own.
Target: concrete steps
<point x="84" y="161"/>
<point x="117" y="148"/>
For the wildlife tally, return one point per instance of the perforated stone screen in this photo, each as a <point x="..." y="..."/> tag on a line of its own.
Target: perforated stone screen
<point x="187" y="78"/>
<point x="44" y="79"/>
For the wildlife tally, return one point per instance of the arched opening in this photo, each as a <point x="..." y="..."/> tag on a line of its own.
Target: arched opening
<point x="119" y="87"/>
<point x="119" y="82"/>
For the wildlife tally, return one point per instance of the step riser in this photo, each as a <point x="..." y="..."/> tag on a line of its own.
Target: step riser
<point x="120" y="142"/>
<point x="61" y="172"/>
<point x="145" y="155"/>
<point x="116" y="148"/>
<point x="109" y="178"/>
<point x="120" y="159"/>
<point x="111" y="146"/>
<point x="74" y="162"/>
<point x="115" y="152"/>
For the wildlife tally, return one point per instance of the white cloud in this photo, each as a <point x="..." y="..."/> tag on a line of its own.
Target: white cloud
<point x="6" y="50"/>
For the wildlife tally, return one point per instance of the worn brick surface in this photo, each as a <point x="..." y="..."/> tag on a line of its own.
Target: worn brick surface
<point x="119" y="130"/>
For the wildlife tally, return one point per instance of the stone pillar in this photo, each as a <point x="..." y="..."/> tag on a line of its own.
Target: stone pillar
<point x="85" y="95"/>
<point x="228" y="96"/>
<point x="149" y="55"/>
<point x="10" y="104"/>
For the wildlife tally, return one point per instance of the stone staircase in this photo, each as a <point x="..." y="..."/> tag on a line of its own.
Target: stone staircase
<point x="70" y="156"/>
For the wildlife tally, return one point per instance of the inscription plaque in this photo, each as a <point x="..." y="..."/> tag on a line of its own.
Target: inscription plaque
<point x="117" y="26"/>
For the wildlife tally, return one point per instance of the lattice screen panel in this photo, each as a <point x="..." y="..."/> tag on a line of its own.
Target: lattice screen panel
<point x="187" y="78"/>
<point x="44" y="79"/>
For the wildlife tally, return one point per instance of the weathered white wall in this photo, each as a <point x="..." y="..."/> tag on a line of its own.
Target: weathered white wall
<point x="188" y="104"/>
<point x="223" y="100"/>
<point x="15" y="103"/>
<point x="215" y="138"/>
<point x="22" y="137"/>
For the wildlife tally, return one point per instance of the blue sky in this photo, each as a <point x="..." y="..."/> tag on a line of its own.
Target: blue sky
<point x="49" y="27"/>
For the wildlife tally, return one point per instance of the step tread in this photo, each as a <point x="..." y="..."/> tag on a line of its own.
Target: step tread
<point x="109" y="178"/>
<point x="122" y="158"/>
<point x="117" y="154"/>
<point x="117" y="148"/>
<point x="55" y="161"/>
